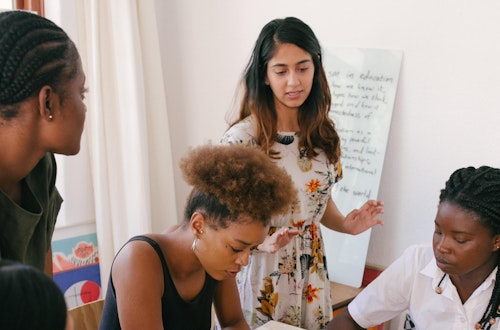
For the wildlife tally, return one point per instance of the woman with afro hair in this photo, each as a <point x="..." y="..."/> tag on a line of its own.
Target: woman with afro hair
<point x="171" y="280"/>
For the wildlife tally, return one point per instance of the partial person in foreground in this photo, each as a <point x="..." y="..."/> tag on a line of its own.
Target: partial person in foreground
<point x="285" y="112"/>
<point x="30" y="300"/>
<point x="452" y="285"/>
<point x="170" y="280"/>
<point x="42" y="113"/>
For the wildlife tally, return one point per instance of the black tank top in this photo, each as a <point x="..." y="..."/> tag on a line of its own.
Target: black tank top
<point x="178" y="314"/>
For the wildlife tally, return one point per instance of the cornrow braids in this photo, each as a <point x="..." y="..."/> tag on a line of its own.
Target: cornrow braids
<point x="33" y="52"/>
<point x="478" y="190"/>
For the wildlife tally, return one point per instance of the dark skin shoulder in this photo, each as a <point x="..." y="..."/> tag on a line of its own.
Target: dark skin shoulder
<point x="343" y="321"/>
<point x="139" y="306"/>
<point x="188" y="279"/>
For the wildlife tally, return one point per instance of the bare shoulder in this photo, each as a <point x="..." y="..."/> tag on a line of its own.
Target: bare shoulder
<point x="137" y="260"/>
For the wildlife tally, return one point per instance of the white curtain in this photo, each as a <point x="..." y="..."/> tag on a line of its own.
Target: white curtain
<point x="127" y="124"/>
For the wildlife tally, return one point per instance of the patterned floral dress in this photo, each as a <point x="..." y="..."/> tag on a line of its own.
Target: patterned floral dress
<point x="292" y="285"/>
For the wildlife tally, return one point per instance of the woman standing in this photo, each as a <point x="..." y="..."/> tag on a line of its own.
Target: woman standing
<point x="284" y="111"/>
<point x="42" y="87"/>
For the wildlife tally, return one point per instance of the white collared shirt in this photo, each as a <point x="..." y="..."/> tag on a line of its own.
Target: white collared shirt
<point x="409" y="284"/>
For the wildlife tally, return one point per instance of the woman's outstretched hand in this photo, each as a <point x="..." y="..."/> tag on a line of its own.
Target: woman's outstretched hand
<point x="359" y="220"/>
<point x="278" y="239"/>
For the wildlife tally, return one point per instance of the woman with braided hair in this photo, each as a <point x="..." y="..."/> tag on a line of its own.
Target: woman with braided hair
<point x="452" y="285"/>
<point x="41" y="113"/>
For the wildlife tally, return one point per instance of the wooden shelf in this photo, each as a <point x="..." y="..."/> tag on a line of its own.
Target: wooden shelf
<point x="342" y="294"/>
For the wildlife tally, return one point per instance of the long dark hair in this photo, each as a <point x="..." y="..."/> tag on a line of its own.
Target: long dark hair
<point x="478" y="190"/>
<point x="317" y="130"/>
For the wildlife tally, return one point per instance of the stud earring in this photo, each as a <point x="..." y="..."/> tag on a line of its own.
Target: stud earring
<point x="51" y="117"/>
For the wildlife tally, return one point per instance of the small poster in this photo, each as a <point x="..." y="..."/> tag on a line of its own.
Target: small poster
<point x="76" y="269"/>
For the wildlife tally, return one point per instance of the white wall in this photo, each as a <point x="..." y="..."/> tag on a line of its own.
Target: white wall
<point x="447" y="109"/>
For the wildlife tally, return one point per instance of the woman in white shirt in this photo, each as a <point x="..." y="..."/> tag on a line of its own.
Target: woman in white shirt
<point x="453" y="284"/>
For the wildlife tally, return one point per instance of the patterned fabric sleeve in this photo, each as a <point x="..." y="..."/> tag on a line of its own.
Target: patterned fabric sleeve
<point x="408" y="323"/>
<point x="241" y="133"/>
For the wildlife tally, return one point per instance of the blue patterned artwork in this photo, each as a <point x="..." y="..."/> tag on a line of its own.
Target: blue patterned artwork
<point x="76" y="269"/>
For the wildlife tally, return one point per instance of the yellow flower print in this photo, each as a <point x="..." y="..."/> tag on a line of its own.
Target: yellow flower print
<point x="269" y="298"/>
<point x="338" y="168"/>
<point x="316" y="251"/>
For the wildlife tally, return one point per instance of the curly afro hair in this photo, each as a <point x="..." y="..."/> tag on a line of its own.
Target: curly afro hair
<point x="230" y="181"/>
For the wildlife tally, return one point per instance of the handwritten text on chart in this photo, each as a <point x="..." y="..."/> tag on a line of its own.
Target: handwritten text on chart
<point x="360" y="100"/>
<point x="363" y="84"/>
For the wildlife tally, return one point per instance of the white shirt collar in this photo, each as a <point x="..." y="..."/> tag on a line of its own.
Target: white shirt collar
<point x="433" y="271"/>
